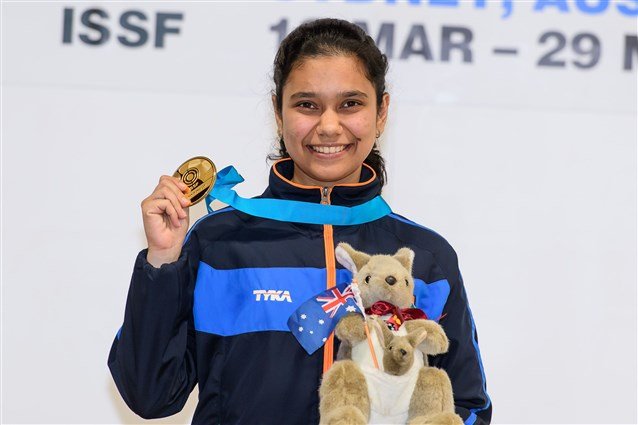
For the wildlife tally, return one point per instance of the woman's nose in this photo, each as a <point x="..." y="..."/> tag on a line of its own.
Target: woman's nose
<point x="329" y="124"/>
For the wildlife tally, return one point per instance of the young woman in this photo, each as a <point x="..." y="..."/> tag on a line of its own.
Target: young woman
<point x="194" y="314"/>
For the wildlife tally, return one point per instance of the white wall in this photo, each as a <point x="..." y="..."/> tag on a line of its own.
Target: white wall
<point x="529" y="171"/>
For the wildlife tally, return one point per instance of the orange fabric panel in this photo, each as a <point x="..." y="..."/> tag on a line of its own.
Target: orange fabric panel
<point x="331" y="280"/>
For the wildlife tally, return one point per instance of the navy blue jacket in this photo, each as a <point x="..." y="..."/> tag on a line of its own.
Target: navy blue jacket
<point x="205" y="319"/>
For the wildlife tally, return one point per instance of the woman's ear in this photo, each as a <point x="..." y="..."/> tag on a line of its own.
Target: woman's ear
<point x="278" y="119"/>
<point x="382" y="115"/>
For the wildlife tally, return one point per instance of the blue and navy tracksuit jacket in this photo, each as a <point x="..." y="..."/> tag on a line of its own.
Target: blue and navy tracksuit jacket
<point x="205" y="319"/>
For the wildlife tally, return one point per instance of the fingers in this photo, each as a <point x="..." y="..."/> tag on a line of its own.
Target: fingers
<point x="168" y="200"/>
<point x="174" y="184"/>
<point x="172" y="189"/>
<point x="181" y="185"/>
<point x="165" y="206"/>
<point x="178" y="202"/>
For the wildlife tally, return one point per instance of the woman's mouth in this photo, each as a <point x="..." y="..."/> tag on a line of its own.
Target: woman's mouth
<point x="329" y="150"/>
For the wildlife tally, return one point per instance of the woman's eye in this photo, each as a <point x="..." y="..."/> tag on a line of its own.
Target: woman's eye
<point x="306" y="105"/>
<point x="368" y="279"/>
<point x="351" y="103"/>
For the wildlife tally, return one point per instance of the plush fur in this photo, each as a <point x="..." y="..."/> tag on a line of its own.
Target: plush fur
<point x="344" y="397"/>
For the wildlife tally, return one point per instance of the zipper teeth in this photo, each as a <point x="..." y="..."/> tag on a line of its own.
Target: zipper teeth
<point x="328" y="240"/>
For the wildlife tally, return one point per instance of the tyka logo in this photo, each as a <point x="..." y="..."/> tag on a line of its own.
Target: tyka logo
<point x="271" y="295"/>
<point x="96" y="27"/>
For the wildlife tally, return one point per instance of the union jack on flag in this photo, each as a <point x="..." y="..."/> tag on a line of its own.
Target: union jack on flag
<point x="335" y="299"/>
<point x="315" y="319"/>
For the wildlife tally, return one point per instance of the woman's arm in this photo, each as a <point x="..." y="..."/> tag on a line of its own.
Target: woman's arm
<point x="463" y="362"/>
<point x="152" y="359"/>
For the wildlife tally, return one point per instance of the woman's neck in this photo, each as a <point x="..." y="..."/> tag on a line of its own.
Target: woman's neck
<point x="302" y="178"/>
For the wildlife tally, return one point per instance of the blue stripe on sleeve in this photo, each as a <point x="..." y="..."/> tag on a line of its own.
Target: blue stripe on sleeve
<point x="480" y="361"/>
<point x="405" y="220"/>
<point x="470" y="419"/>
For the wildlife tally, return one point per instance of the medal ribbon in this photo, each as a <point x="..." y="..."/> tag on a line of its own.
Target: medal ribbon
<point x="292" y="211"/>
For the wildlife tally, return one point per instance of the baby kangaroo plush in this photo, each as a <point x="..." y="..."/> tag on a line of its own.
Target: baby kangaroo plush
<point x="403" y="389"/>
<point x="398" y="350"/>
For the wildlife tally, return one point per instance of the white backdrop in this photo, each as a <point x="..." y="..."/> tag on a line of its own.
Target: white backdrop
<point x="529" y="170"/>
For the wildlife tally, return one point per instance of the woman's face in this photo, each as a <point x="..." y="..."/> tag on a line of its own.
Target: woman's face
<point x="329" y="119"/>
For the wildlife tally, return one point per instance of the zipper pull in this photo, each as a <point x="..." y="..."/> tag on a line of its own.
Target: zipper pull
<point x="325" y="200"/>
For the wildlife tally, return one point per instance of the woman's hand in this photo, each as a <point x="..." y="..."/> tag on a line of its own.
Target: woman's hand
<point x="165" y="220"/>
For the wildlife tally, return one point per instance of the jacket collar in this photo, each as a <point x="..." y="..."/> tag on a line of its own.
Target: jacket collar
<point x="281" y="186"/>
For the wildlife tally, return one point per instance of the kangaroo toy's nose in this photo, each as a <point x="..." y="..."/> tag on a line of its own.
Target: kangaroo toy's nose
<point x="403" y="352"/>
<point x="391" y="280"/>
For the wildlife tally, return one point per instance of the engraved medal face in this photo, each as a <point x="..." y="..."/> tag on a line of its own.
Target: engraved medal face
<point x="199" y="174"/>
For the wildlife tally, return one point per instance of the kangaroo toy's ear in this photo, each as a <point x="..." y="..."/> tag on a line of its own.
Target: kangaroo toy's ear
<point x="381" y="329"/>
<point x="406" y="257"/>
<point x="417" y="336"/>
<point x="350" y="258"/>
<point x="343" y="257"/>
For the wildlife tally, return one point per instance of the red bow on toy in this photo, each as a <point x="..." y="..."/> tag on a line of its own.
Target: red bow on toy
<point x="398" y="315"/>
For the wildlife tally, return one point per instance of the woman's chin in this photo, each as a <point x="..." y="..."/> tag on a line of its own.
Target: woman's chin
<point x="330" y="176"/>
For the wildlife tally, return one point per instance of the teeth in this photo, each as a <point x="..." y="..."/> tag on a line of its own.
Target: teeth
<point x="325" y="149"/>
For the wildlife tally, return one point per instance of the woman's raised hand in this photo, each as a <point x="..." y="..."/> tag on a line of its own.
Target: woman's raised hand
<point x="165" y="216"/>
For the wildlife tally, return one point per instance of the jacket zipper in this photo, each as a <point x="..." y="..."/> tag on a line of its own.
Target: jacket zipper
<point x="331" y="275"/>
<point x="325" y="196"/>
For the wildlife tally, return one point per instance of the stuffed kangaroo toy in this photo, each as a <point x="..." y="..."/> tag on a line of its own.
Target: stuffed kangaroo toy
<point x="403" y="389"/>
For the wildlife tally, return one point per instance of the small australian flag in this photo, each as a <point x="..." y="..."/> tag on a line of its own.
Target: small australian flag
<point x="317" y="317"/>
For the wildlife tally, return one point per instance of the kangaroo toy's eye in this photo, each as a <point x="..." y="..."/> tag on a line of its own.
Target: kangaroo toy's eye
<point x="390" y="348"/>
<point x="368" y="279"/>
<point x="407" y="283"/>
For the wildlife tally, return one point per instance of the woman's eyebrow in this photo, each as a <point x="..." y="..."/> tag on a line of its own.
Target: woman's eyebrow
<point x="353" y="93"/>
<point x="350" y="93"/>
<point x="303" y="94"/>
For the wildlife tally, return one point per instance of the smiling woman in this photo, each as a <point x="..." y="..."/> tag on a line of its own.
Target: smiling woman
<point x="210" y="305"/>
<point x="329" y="120"/>
<point x="330" y="102"/>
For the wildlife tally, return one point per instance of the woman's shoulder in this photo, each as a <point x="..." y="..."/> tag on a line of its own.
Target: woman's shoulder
<point x="416" y="235"/>
<point x="215" y="223"/>
<point x="430" y="248"/>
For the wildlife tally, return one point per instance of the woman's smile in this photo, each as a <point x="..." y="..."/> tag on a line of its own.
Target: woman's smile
<point x="329" y="151"/>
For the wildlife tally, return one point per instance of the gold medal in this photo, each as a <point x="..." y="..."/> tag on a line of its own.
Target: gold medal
<point x="199" y="174"/>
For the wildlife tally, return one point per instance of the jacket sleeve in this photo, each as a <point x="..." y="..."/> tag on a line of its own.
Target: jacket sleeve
<point x="152" y="359"/>
<point x="463" y="362"/>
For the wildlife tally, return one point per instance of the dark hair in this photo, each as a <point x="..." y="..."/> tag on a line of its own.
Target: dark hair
<point x="331" y="37"/>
